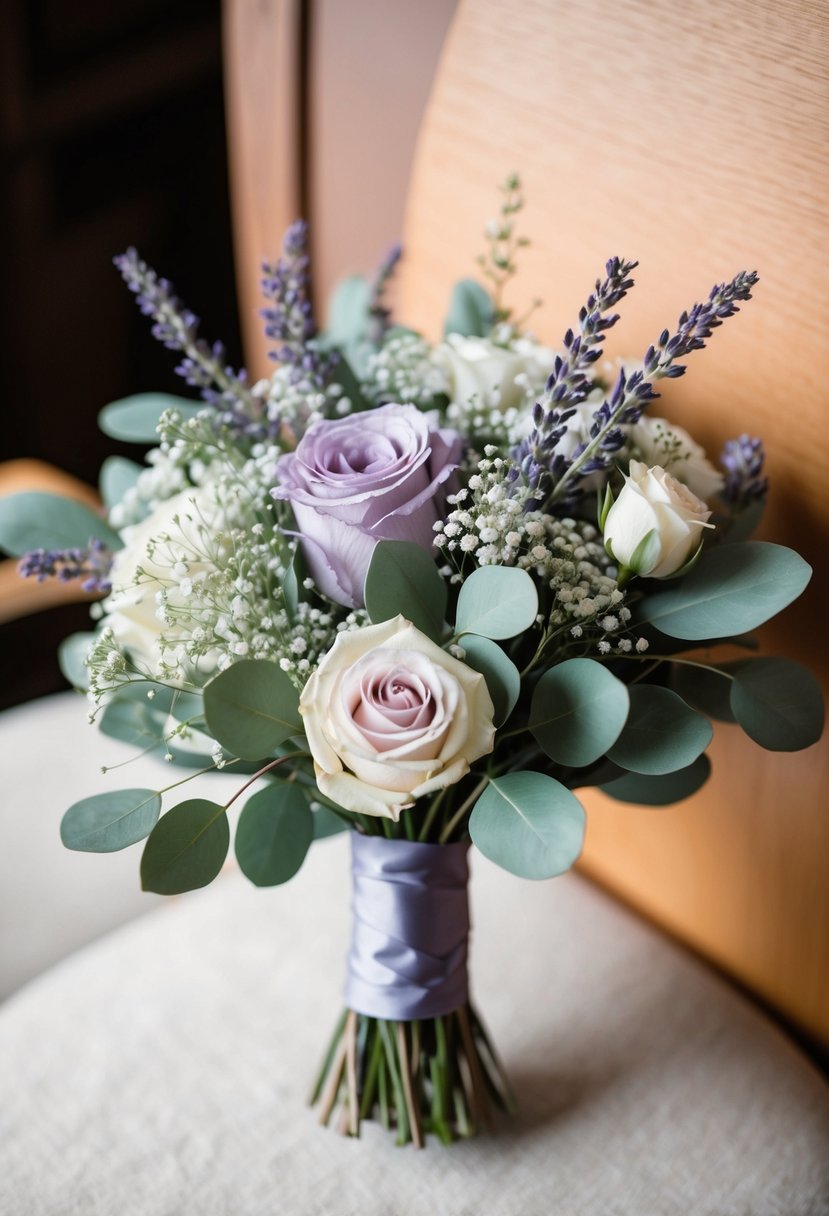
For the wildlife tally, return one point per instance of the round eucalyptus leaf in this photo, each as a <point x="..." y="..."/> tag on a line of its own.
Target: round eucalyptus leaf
<point x="732" y="589"/>
<point x="704" y="689"/>
<point x="105" y="823"/>
<point x="326" y="823"/>
<point x="497" y="602"/>
<point x="529" y="824"/>
<point x="71" y="655"/>
<point x="251" y="708"/>
<point x="471" y="311"/>
<point x="186" y="849"/>
<point x="578" y="711"/>
<point x="135" y="419"/>
<point x="660" y="790"/>
<point x="273" y="835"/>
<point x="402" y="579"/>
<point x="118" y="475"/>
<point x="502" y="677"/>
<point x="778" y="703"/>
<point x="36" y="520"/>
<point x="662" y="733"/>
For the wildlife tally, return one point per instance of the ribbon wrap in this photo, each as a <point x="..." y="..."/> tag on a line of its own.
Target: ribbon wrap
<point x="411" y="928"/>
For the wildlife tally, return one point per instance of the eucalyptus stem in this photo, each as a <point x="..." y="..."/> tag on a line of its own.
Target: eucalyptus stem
<point x="462" y="809"/>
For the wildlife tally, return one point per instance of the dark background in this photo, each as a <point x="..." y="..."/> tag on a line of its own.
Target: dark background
<point x="112" y="135"/>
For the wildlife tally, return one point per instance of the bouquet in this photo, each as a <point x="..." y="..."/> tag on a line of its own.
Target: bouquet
<point x="422" y="592"/>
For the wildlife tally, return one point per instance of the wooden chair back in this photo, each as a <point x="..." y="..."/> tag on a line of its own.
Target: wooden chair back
<point x="694" y="138"/>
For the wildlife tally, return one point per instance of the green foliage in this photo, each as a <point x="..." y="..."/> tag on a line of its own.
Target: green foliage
<point x="497" y="602"/>
<point x="529" y="824"/>
<point x="273" y="835"/>
<point x="131" y="717"/>
<point x="118" y="475"/>
<point x="778" y="703"/>
<point x="662" y="733"/>
<point x="578" y="711"/>
<point x="705" y="689"/>
<point x="403" y="579"/>
<point x="662" y="789"/>
<point x="107" y="822"/>
<point x="471" y="310"/>
<point x="36" y="520"/>
<point x="186" y="849"/>
<point x="502" y="676"/>
<point x="732" y="589"/>
<point x="71" y="654"/>
<point x="135" y="419"/>
<point x="326" y="823"/>
<point x="251" y="708"/>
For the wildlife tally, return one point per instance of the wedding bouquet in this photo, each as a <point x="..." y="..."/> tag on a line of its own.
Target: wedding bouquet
<point x="422" y="591"/>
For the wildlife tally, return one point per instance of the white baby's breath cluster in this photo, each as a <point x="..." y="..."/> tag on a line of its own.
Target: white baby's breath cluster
<point x="403" y="370"/>
<point x="565" y="555"/>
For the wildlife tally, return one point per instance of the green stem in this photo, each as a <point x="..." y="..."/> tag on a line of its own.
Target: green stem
<point x="462" y="809"/>
<point x="430" y="815"/>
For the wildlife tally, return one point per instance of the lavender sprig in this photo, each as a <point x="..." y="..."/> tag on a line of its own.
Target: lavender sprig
<point x="632" y="393"/>
<point x="537" y="463"/>
<point x="204" y="366"/>
<point x="743" y="461"/>
<point x="379" y="313"/>
<point x="92" y="564"/>
<point x="289" y="319"/>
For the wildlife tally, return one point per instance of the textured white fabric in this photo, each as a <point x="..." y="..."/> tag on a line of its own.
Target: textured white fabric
<point x="53" y="901"/>
<point x="163" y="1070"/>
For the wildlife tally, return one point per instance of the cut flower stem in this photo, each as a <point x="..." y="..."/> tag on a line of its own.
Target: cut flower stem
<point x="437" y="1076"/>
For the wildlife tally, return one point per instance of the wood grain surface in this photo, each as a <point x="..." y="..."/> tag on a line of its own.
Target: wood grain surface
<point x="694" y="138"/>
<point x="263" y="59"/>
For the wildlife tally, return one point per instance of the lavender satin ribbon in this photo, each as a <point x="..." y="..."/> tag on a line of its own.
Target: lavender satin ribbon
<point x="411" y="927"/>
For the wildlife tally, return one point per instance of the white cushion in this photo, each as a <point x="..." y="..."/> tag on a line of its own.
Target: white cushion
<point x="164" y="1070"/>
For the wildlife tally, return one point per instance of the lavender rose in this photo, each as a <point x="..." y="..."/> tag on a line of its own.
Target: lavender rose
<point x="355" y="481"/>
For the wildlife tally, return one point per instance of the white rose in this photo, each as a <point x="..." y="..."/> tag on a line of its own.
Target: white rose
<point x="494" y="377"/>
<point x="389" y="716"/>
<point x="132" y="608"/>
<point x="655" y="525"/>
<point x="659" y="442"/>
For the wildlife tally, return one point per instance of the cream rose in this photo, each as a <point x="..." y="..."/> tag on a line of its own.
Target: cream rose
<point x="389" y="717"/>
<point x="659" y="442"/>
<point x="132" y="608"/>
<point x="655" y="525"/>
<point x="493" y="377"/>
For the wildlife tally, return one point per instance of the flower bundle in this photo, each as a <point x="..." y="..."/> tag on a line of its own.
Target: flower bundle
<point x="422" y="591"/>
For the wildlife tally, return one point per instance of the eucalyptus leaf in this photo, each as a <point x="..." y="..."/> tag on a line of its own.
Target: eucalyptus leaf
<point x="704" y="689"/>
<point x="660" y="790"/>
<point x="402" y="579"/>
<point x="528" y="824"/>
<point x="273" y="835"/>
<point x="186" y="849"/>
<point x="326" y="823"/>
<point x="37" y="520"/>
<point x="497" y="602"/>
<point x="118" y="475"/>
<point x="471" y="311"/>
<point x="502" y="676"/>
<point x="71" y="655"/>
<point x="251" y="708"/>
<point x="135" y="419"/>
<point x="348" y="313"/>
<point x="733" y="589"/>
<point x="745" y="524"/>
<point x="132" y="717"/>
<point x="778" y="703"/>
<point x="578" y="711"/>
<point x="662" y="733"/>
<point x="105" y="823"/>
